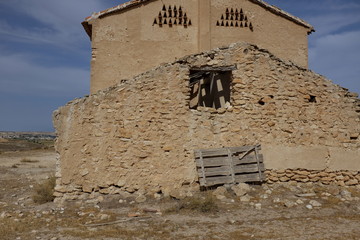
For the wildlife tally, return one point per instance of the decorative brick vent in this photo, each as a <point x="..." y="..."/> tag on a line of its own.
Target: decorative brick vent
<point x="234" y="18"/>
<point x="172" y="16"/>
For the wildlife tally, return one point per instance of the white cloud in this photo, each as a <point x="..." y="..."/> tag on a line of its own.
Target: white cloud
<point x="332" y="22"/>
<point x="24" y="35"/>
<point x="20" y="75"/>
<point x="340" y="5"/>
<point x="61" y="20"/>
<point x="337" y="57"/>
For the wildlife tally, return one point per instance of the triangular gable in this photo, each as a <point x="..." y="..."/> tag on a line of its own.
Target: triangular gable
<point x="133" y="3"/>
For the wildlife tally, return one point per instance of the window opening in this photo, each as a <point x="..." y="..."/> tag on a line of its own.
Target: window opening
<point x="210" y="88"/>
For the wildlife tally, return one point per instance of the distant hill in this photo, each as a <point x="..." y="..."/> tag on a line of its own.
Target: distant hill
<point x="24" y="141"/>
<point x="28" y="135"/>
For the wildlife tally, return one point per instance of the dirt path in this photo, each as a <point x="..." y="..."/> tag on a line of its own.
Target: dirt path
<point x="282" y="211"/>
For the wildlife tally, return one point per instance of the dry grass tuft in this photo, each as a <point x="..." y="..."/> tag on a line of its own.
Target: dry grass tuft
<point x="44" y="192"/>
<point x="26" y="160"/>
<point x="204" y="204"/>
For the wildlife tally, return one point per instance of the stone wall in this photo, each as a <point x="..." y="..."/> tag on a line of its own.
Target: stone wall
<point x="139" y="135"/>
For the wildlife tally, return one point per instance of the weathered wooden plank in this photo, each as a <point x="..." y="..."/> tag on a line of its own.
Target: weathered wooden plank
<point x="215" y="173"/>
<point x="213" y="162"/>
<point x="258" y="162"/>
<point x="218" y="68"/>
<point x="222" y="161"/>
<point x="198" y="74"/>
<point x="211" y="181"/>
<point x="221" y="151"/>
<point x="216" y="169"/>
<point x="202" y="168"/>
<point x="252" y="177"/>
<point x="248" y="159"/>
<point x="249" y="168"/>
<point x="231" y="163"/>
<point x="223" y="170"/>
<point x="211" y="152"/>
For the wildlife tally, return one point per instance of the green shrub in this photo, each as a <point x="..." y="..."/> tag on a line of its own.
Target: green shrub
<point x="44" y="192"/>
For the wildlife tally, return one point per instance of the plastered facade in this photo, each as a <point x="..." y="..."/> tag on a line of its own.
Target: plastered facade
<point x="139" y="136"/>
<point x="133" y="40"/>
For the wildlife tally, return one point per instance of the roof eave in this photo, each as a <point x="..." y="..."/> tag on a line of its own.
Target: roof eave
<point x="88" y="28"/>
<point x="117" y="8"/>
<point x="284" y="14"/>
<point x="133" y="3"/>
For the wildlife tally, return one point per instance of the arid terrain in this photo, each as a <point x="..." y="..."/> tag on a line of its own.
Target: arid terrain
<point x="278" y="211"/>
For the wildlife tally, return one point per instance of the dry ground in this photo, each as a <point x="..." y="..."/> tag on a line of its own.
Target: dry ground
<point x="273" y="212"/>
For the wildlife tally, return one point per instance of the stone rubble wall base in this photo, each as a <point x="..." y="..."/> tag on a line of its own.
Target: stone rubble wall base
<point x="326" y="177"/>
<point x="341" y="178"/>
<point x="63" y="194"/>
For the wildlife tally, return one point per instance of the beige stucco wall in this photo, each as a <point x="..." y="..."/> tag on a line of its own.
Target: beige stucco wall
<point x="282" y="37"/>
<point x="127" y="43"/>
<point x="140" y="134"/>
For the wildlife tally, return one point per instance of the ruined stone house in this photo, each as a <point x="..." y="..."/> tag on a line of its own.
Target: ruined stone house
<point x="139" y="135"/>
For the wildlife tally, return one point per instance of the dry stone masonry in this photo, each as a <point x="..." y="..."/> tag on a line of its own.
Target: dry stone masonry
<point x="138" y="137"/>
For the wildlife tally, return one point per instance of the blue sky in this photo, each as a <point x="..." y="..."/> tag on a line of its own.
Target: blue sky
<point x="45" y="53"/>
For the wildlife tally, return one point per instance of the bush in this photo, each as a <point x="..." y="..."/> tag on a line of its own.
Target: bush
<point x="201" y="204"/>
<point x="27" y="160"/>
<point x="44" y="192"/>
<point x="205" y="204"/>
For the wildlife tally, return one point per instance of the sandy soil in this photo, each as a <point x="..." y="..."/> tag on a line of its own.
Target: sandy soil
<point x="273" y="211"/>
